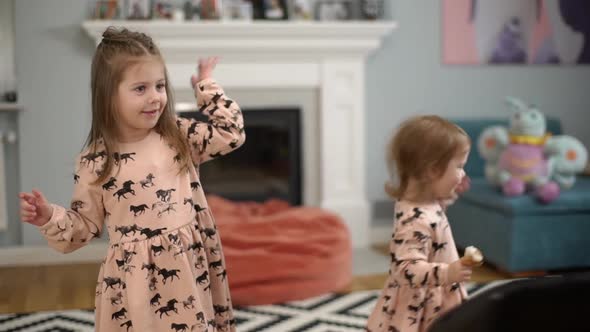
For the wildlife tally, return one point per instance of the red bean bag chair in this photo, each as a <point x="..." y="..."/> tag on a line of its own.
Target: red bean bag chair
<point x="276" y="253"/>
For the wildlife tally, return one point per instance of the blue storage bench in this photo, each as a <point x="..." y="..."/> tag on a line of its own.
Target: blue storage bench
<point x="519" y="234"/>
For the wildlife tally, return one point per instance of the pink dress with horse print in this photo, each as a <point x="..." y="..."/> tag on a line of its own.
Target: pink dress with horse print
<point x="417" y="291"/>
<point x="164" y="269"/>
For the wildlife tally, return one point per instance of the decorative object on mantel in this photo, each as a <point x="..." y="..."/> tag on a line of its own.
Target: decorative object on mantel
<point x="192" y="10"/>
<point x="210" y="9"/>
<point x="271" y="9"/>
<point x="137" y="9"/>
<point x="106" y="10"/>
<point x="332" y="10"/>
<point x="240" y="10"/>
<point x="237" y="10"/>
<point x="162" y="10"/>
<point x="10" y="138"/>
<point x="10" y="96"/>
<point x="302" y="10"/>
<point x="372" y="9"/>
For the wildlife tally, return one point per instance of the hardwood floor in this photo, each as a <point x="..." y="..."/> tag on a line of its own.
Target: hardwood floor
<point x="55" y="287"/>
<point x="61" y="287"/>
<point x="71" y="286"/>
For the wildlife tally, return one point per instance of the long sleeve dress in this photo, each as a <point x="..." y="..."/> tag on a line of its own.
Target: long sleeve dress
<point x="417" y="290"/>
<point x="164" y="269"/>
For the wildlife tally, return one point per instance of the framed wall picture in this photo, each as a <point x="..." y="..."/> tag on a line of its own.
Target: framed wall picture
<point x="334" y="10"/>
<point x="137" y="9"/>
<point x="515" y="32"/>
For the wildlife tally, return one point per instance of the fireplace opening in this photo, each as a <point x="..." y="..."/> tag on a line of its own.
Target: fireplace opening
<point x="268" y="165"/>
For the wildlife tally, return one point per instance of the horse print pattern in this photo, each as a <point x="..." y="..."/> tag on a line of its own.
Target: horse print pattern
<point x="417" y="290"/>
<point x="165" y="269"/>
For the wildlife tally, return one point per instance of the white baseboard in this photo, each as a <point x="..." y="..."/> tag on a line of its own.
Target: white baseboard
<point x="381" y="232"/>
<point x="43" y="255"/>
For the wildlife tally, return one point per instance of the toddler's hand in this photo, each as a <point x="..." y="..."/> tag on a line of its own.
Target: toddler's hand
<point x="458" y="272"/>
<point x="34" y="208"/>
<point x="205" y="69"/>
<point x="464" y="185"/>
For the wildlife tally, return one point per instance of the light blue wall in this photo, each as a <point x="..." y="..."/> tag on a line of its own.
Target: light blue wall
<point x="12" y="235"/>
<point x="405" y="77"/>
<point x="53" y="58"/>
<point x="8" y="122"/>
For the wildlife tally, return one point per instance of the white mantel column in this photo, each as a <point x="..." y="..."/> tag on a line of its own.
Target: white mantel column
<point x="342" y="145"/>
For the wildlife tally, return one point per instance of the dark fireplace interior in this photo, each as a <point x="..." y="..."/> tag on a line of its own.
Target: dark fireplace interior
<point x="267" y="166"/>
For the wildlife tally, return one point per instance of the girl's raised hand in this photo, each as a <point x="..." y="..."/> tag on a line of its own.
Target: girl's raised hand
<point x="205" y="69"/>
<point x="34" y="208"/>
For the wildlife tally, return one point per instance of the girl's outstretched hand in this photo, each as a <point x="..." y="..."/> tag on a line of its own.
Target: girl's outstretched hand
<point x="205" y="69"/>
<point x="34" y="208"/>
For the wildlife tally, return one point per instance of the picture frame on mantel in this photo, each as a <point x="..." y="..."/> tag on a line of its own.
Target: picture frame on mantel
<point x="334" y="10"/>
<point x="106" y="10"/>
<point x="271" y="9"/>
<point x="137" y="9"/>
<point x="302" y="10"/>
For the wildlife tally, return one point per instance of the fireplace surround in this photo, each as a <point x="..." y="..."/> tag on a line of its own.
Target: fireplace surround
<point x="326" y="56"/>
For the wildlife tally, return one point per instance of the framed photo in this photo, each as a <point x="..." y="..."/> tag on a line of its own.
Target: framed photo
<point x="271" y="9"/>
<point x="515" y="32"/>
<point x="192" y="10"/>
<point x="106" y="10"/>
<point x="334" y="10"/>
<point x="162" y="10"/>
<point x="237" y="11"/>
<point x="137" y="9"/>
<point x="210" y="9"/>
<point x="302" y="10"/>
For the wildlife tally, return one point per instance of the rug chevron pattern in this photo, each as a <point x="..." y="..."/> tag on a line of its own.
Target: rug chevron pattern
<point x="330" y="312"/>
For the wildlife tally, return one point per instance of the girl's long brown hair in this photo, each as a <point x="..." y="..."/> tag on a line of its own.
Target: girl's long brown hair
<point x="422" y="145"/>
<point x="118" y="50"/>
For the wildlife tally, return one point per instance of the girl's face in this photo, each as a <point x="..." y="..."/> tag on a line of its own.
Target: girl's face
<point x="141" y="99"/>
<point x="444" y="186"/>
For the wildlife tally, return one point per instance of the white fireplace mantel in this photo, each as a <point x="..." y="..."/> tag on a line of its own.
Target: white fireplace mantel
<point x="329" y="56"/>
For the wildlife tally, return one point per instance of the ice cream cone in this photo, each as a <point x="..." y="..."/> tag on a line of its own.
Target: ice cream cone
<point x="472" y="257"/>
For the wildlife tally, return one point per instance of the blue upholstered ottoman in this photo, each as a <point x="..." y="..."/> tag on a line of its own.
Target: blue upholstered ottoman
<point x="519" y="234"/>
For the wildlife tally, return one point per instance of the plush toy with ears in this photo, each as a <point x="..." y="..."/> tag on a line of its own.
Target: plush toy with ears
<point x="524" y="157"/>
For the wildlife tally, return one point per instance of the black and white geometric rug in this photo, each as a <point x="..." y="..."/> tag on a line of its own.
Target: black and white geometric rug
<point x="331" y="312"/>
